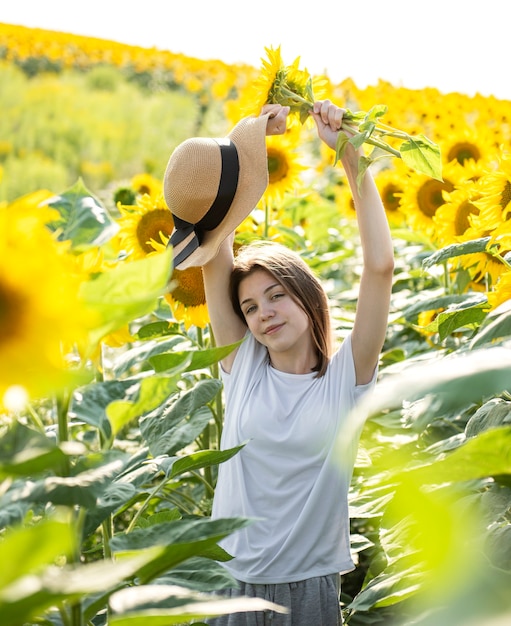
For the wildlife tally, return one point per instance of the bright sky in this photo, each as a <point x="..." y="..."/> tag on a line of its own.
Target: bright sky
<point x="453" y="45"/>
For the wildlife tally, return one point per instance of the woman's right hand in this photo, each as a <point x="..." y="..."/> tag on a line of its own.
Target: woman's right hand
<point x="277" y="120"/>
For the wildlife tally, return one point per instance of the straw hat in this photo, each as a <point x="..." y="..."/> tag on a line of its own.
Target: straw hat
<point x="211" y="186"/>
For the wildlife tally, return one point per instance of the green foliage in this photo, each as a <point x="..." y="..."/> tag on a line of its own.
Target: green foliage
<point x="111" y="488"/>
<point x="431" y="491"/>
<point x="73" y="126"/>
<point x="125" y="293"/>
<point x="83" y="220"/>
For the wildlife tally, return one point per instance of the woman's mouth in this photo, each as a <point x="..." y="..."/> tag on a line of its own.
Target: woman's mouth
<point x="273" y="329"/>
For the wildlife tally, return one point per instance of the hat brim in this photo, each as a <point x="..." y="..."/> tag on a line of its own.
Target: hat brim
<point x="249" y="137"/>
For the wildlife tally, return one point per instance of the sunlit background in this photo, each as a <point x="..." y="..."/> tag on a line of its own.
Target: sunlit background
<point x="452" y="45"/>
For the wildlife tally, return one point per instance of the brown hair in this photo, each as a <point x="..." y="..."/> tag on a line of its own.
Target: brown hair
<point x="298" y="279"/>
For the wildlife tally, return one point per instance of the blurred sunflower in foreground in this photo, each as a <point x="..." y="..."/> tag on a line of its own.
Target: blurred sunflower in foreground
<point x="40" y="310"/>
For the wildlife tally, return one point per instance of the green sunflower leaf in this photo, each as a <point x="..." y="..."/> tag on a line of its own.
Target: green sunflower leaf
<point x="84" y="221"/>
<point x="456" y="249"/>
<point x="497" y="326"/>
<point x="180" y="423"/>
<point x="199" y="359"/>
<point x="150" y="393"/>
<point x="423" y="156"/>
<point x="129" y="291"/>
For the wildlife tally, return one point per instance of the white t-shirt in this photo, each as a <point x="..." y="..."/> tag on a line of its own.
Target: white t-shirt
<point x="286" y="477"/>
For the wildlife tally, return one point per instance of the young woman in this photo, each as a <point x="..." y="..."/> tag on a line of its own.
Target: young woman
<point x="288" y="392"/>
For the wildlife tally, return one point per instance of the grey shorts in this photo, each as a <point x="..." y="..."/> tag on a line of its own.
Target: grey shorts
<point x="311" y="602"/>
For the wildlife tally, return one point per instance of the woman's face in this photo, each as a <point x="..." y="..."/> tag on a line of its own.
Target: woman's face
<point x="274" y="318"/>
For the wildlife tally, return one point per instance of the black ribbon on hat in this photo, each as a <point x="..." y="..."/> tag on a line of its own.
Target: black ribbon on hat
<point x="227" y="186"/>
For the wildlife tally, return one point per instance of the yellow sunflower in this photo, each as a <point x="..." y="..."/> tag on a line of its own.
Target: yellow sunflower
<point x="495" y="201"/>
<point x="147" y="184"/>
<point x="453" y="218"/>
<point x="284" y="168"/>
<point x="422" y="196"/>
<point x="502" y="291"/>
<point x="91" y="262"/>
<point x="471" y="143"/>
<point x="390" y="182"/>
<point x="39" y="306"/>
<point x="344" y="200"/>
<point x="187" y="299"/>
<point x="424" y="319"/>
<point x="255" y="95"/>
<point x="149" y="220"/>
<point x="186" y="296"/>
<point x="283" y="84"/>
<point x="493" y="114"/>
<point x="484" y="269"/>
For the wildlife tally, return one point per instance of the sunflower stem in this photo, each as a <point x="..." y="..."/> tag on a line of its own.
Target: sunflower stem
<point x="207" y="485"/>
<point x="76" y="607"/>
<point x="34" y="416"/>
<point x="447" y="282"/>
<point x="179" y="504"/>
<point x="145" y="504"/>
<point x="62" y="424"/>
<point x="383" y="146"/>
<point x="64" y="615"/>
<point x="106" y="529"/>
<point x="219" y="417"/>
<point x="200" y="337"/>
<point x="62" y="408"/>
<point x="205" y="439"/>
<point x="218" y="413"/>
<point x="496" y="255"/>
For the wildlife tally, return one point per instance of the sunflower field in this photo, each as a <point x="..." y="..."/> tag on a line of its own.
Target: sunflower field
<point x="111" y="404"/>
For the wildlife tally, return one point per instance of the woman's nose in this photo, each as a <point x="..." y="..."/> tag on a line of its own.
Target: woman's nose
<point x="267" y="312"/>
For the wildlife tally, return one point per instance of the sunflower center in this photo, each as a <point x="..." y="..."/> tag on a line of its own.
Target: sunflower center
<point x="190" y="287"/>
<point x="151" y="224"/>
<point x="506" y="196"/>
<point x="461" y="222"/>
<point x="389" y="197"/>
<point x="429" y="196"/>
<point x="144" y="189"/>
<point x="11" y="305"/>
<point x="463" y="151"/>
<point x="278" y="166"/>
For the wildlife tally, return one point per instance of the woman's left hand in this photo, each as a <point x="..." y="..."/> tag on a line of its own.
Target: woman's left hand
<point x="328" y="118"/>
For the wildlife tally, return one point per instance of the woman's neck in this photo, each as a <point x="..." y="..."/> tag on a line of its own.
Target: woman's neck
<point x="290" y="363"/>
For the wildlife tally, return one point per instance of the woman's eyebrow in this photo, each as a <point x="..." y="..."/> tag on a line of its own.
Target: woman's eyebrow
<point x="269" y="288"/>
